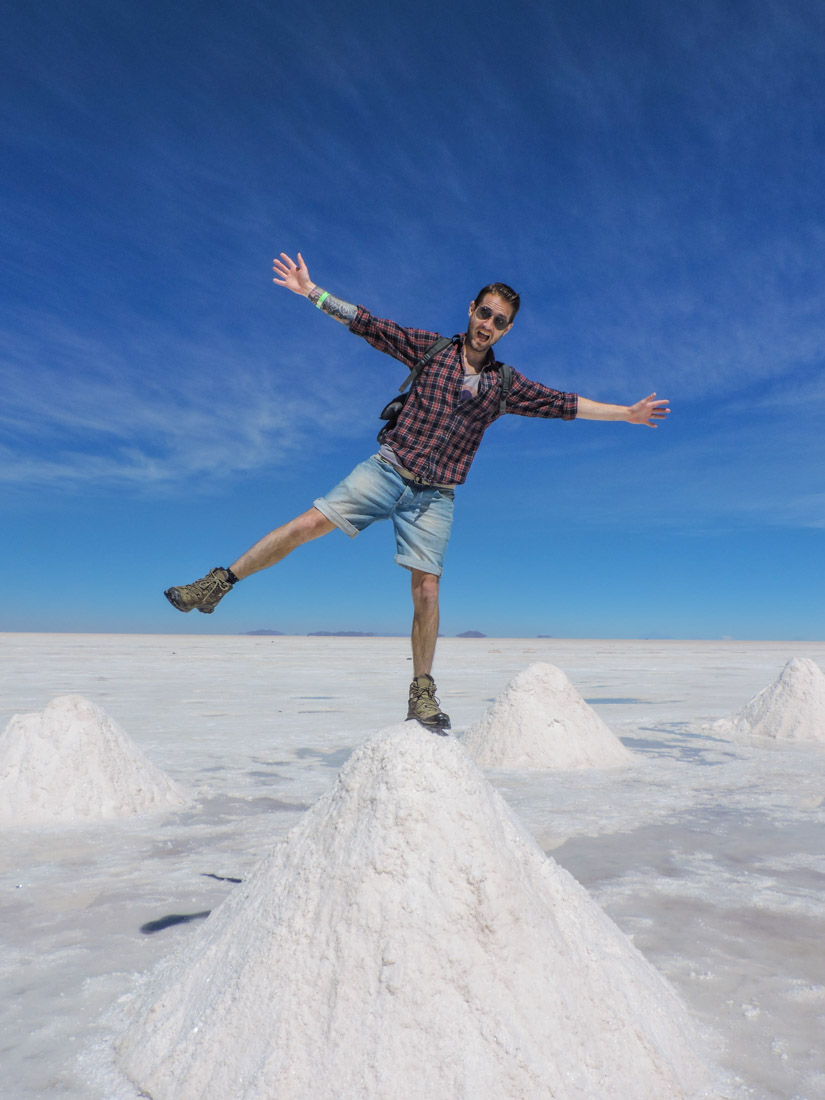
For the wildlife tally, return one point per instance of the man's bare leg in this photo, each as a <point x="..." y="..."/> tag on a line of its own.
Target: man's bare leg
<point x="206" y="593"/>
<point x="425" y="621"/>
<point x="275" y="546"/>
<point x="423" y="705"/>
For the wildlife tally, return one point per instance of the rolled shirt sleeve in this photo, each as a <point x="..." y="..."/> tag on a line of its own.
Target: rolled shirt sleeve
<point x="529" y="398"/>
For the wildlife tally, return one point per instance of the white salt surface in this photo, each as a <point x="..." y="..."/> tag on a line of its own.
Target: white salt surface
<point x="791" y="708"/>
<point x="707" y="851"/>
<point x="72" y="763"/>
<point x="540" y="721"/>
<point x="409" y="940"/>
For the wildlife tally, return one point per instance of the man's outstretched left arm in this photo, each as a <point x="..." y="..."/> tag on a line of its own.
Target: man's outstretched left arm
<point x="643" y="412"/>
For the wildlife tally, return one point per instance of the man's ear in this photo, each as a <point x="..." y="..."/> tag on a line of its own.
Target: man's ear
<point x="472" y="307"/>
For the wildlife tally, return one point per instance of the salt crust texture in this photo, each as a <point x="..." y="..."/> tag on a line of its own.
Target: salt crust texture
<point x="408" y="940"/>
<point x="792" y="708"/>
<point x="541" y="722"/>
<point x="72" y="763"/>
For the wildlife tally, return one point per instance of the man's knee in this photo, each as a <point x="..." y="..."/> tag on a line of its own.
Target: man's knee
<point x="424" y="588"/>
<point x="312" y="523"/>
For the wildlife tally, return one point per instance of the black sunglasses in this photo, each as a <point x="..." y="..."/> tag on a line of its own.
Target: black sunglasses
<point x="484" y="313"/>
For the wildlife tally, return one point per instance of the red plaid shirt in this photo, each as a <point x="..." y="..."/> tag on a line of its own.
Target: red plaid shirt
<point x="438" y="434"/>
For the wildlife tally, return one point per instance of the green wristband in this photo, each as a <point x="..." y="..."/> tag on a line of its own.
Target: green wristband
<point x="321" y="299"/>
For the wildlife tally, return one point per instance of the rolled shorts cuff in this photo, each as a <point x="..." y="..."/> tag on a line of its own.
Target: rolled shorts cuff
<point x="414" y="563"/>
<point x="341" y="522"/>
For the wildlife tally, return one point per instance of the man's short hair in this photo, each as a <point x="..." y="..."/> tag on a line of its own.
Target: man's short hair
<point x="503" y="291"/>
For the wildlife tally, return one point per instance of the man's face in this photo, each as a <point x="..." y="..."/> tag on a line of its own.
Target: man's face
<point x="490" y="319"/>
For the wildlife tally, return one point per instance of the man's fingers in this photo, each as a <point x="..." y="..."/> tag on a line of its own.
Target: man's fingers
<point x="286" y="268"/>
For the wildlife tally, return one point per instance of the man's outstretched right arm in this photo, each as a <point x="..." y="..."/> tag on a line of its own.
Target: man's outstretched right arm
<point x="407" y="345"/>
<point x="295" y="277"/>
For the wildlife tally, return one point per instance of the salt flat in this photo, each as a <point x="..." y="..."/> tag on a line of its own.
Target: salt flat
<point x="708" y="852"/>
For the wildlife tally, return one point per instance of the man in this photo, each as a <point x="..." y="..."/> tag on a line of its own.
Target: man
<point x="426" y="454"/>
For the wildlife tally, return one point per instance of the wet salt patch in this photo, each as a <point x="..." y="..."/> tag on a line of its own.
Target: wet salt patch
<point x="782" y="784"/>
<point x="72" y="763"/>
<point x="751" y="988"/>
<point x="332" y="758"/>
<point x="409" y="940"/>
<point x="540" y="721"/>
<point x="740" y="884"/>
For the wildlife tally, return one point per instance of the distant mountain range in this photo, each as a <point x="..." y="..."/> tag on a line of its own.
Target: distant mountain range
<point x="340" y="634"/>
<point x="344" y="634"/>
<point x="314" y="633"/>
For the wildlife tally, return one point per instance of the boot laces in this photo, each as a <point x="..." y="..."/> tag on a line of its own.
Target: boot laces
<point x="423" y="696"/>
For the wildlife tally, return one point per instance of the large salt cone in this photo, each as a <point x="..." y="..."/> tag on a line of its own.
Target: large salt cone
<point x="409" y="940"/>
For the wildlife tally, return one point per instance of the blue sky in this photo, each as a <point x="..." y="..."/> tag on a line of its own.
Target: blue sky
<point x="650" y="177"/>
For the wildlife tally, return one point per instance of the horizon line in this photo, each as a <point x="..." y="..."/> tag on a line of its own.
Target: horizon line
<point x="355" y="636"/>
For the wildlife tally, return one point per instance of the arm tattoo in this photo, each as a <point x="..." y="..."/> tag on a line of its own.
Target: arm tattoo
<point x="343" y="312"/>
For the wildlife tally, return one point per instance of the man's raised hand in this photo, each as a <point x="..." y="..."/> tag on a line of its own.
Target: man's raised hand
<point x="294" y="277"/>
<point x="646" y="410"/>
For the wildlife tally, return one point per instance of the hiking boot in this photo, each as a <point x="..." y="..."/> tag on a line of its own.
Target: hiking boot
<point x="425" y="708"/>
<point x="204" y="594"/>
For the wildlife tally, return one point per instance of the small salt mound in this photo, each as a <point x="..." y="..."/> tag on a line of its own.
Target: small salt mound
<point x="792" y="708"/>
<point x="72" y="763"/>
<point x="540" y="721"/>
<point x="408" y="940"/>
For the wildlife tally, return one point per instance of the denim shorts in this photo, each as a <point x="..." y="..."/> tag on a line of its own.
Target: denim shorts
<point x="422" y="515"/>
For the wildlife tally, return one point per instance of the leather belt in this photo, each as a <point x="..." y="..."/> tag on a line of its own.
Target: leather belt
<point x="416" y="479"/>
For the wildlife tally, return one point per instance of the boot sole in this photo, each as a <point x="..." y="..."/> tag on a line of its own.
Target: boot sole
<point x="440" y="728"/>
<point x="172" y="596"/>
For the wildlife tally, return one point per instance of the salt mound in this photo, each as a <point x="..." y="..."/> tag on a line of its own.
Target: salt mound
<point x="408" y="940"/>
<point x="71" y="762"/>
<point x="541" y="721"/>
<point x="792" y="708"/>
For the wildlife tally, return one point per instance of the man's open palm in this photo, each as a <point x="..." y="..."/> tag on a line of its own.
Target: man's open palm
<point x="646" y="410"/>
<point x="294" y="277"/>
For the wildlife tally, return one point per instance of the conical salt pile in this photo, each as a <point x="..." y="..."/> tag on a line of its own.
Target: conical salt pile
<point x="792" y="708"/>
<point x="72" y="763"/>
<point x="540" y="722"/>
<point x="409" y="940"/>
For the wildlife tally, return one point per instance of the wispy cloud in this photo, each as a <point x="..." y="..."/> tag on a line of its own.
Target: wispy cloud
<point x="79" y="412"/>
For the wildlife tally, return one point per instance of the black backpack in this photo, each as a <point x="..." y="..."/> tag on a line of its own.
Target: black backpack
<point x="392" y="409"/>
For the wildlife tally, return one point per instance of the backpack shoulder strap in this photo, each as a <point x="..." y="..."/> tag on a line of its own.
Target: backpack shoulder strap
<point x="425" y="360"/>
<point x="506" y="382"/>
